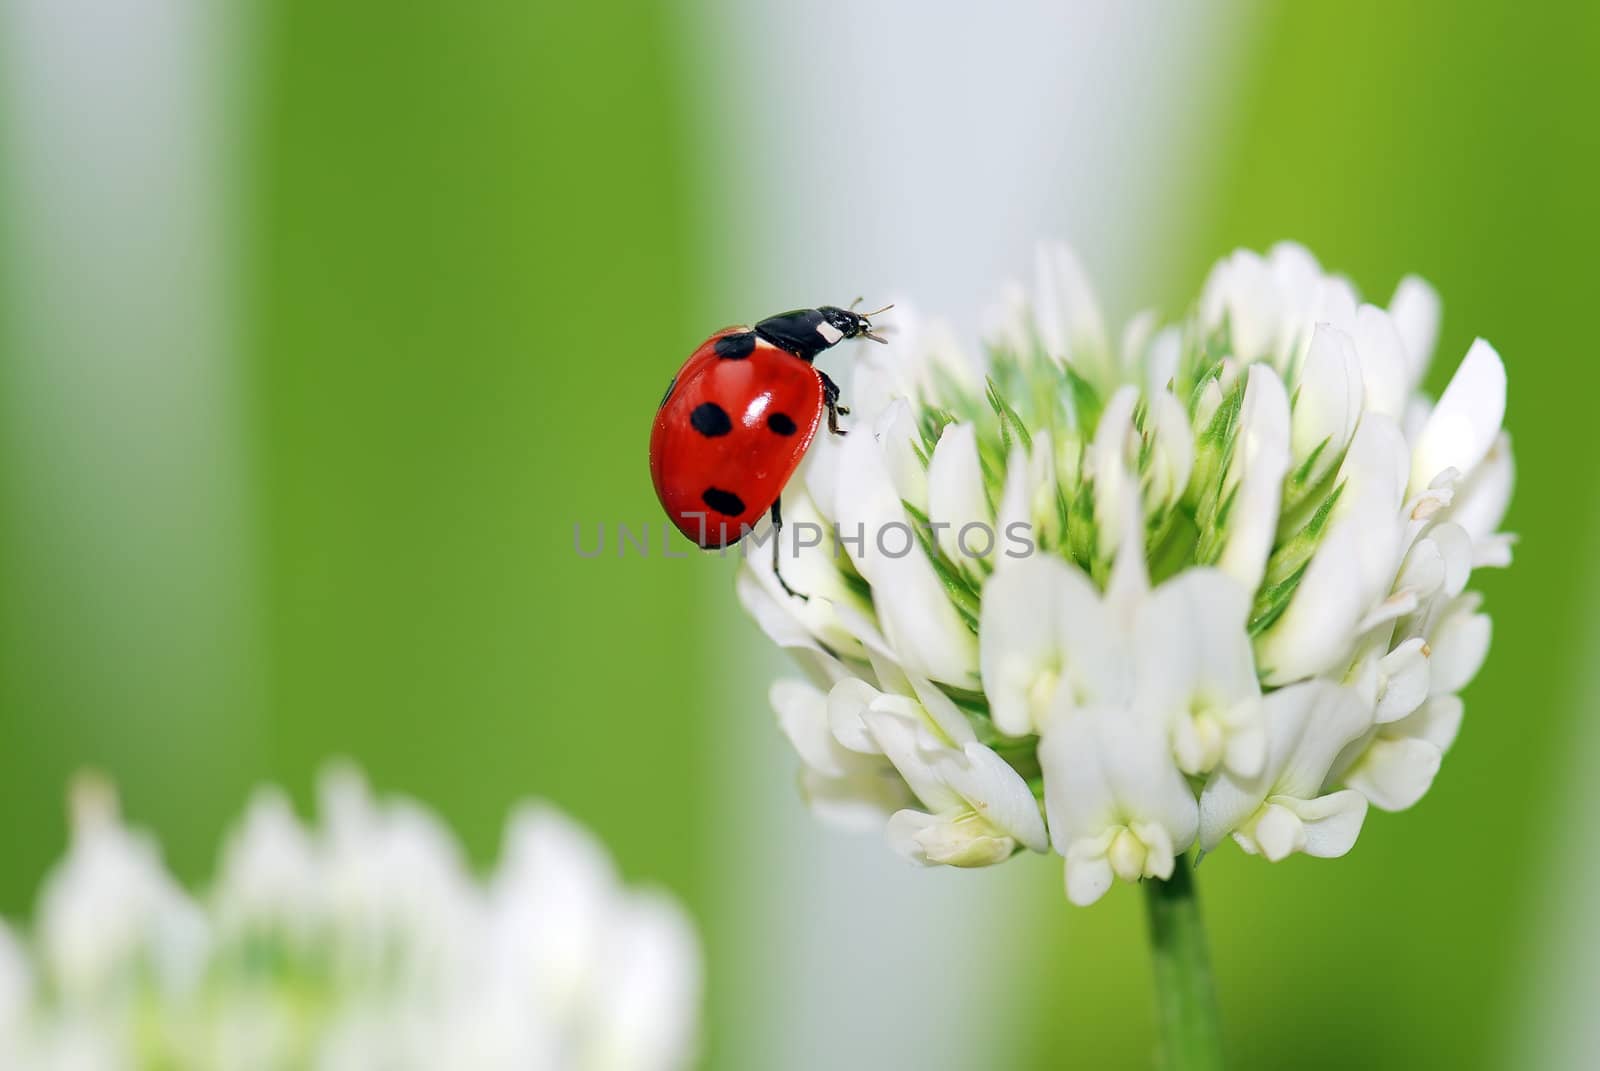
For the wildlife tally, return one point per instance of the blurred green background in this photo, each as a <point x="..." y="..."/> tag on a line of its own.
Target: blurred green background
<point x="458" y="250"/>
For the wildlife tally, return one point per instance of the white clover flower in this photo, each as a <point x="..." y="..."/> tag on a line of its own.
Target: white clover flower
<point x="1125" y="598"/>
<point x="364" y="943"/>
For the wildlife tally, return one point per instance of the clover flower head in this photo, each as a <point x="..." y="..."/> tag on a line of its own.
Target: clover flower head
<point x="365" y="942"/>
<point x="1124" y="596"/>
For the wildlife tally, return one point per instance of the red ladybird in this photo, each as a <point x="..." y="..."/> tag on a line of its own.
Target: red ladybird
<point x="737" y="418"/>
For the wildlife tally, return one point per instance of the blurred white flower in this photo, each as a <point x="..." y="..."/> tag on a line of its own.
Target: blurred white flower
<point x="364" y="943"/>
<point x="1122" y="597"/>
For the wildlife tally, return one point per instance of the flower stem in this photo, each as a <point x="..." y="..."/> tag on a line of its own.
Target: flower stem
<point x="1186" y="1001"/>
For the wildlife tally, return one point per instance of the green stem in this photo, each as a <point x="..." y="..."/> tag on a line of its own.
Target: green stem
<point x="1186" y="1002"/>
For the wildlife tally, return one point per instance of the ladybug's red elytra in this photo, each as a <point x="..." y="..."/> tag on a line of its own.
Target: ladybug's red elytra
<point x="737" y="418"/>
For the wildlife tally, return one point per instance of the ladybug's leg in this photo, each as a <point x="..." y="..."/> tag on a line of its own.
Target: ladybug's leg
<point x="830" y="398"/>
<point x="777" y="541"/>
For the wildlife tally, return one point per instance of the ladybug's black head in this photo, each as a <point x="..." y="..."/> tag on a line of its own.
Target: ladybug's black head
<point x="849" y="322"/>
<point x="807" y="332"/>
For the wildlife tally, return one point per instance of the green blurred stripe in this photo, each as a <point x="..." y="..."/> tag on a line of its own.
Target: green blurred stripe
<point x="126" y="617"/>
<point x="467" y="267"/>
<point x="471" y="295"/>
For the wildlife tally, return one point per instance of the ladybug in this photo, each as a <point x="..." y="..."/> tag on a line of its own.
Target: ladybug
<point x="737" y="418"/>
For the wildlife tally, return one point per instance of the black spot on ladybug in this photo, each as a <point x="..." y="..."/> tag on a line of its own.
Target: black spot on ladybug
<point x="664" y="397"/>
<point x="736" y="347"/>
<point x="724" y="502"/>
<point x="780" y="423"/>
<point x="710" y="420"/>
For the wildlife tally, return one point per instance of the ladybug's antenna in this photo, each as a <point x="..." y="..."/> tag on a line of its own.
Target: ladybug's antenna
<point x="867" y="331"/>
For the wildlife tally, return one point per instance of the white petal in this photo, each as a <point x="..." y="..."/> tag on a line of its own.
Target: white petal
<point x="1070" y="325"/>
<point x="1173" y="459"/>
<point x="1161" y="366"/>
<point x="943" y="366"/>
<point x="1129" y="582"/>
<point x="1467" y="419"/>
<point x="996" y="792"/>
<point x="890" y="675"/>
<point x="1324" y="827"/>
<point x="1193" y="665"/>
<point x="803" y="715"/>
<point x="808" y="562"/>
<point x="1403" y="681"/>
<point x="1318" y="629"/>
<point x="881" y="375"/>
<point x="941" y="712"/>
<point x="1393" y="608"/>
<point x="1418" y="408"/>
<point x="16" y="987"/>
<point x="1305" y="738"/>
<point x="1041" y="625"/>
<point x="1247" y="739"/>
<point x="1137" y="334"/>
<point x="897" y="436"/>
<point x="1376" y="466"/>
<point x="903" y="831"/>
<point x="110" y="907"/>
<point x="1242" y="290"/>
<point x="1437" y="721"/>
<point x="1423" y="571"/>
<point x="1260" y="461"/>
<point x="780" y="626"/>
<point x="1353" y="567"/>
<point x="1104" y="768"/>
<point x="820" y="472"/>
<point x="1385" y="365"/>
<point x="1415" y="311"/>
<point x="646" y="1000"/>
<point x="1277" y="834"/>
<point x="956" y="497"/>
<point x="1160" y="853"/>
<point x="1088" y="876"/>
<point x="1327" y="399"/>
<point x="1013" y="508"/>
<point x="1210" y="401"/>
<point x="1397" y="764"/>
<point x="1190" y="639"/>
<point x="1332" y="823"/>
<point x="1333" y="302"/>
<point x="917" y="617"/>
<point x="1493" y="552"/>
<point x="909" y="747"/>
<point x="1115" y="487"/>
<point x="1297" y="271"/>
<point x="1007" y="325"/>
<point x="1459" y="646"/>
<point x="1080" y="800"/>
<point x="1479" y="504"/>
<point x="1307" y="727"/>
<point x="848" y="703"/>
<point x="1394" y="774"/>
<point x="959" y="840"/>
<point x="1455" y="551"/>
<point x="1021" y="522"/>
<point x="860" y="803"/>
<point x="802" y="712"/>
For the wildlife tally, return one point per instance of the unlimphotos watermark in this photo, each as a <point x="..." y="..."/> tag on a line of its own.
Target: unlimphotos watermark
<point x="896" y="539"/>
